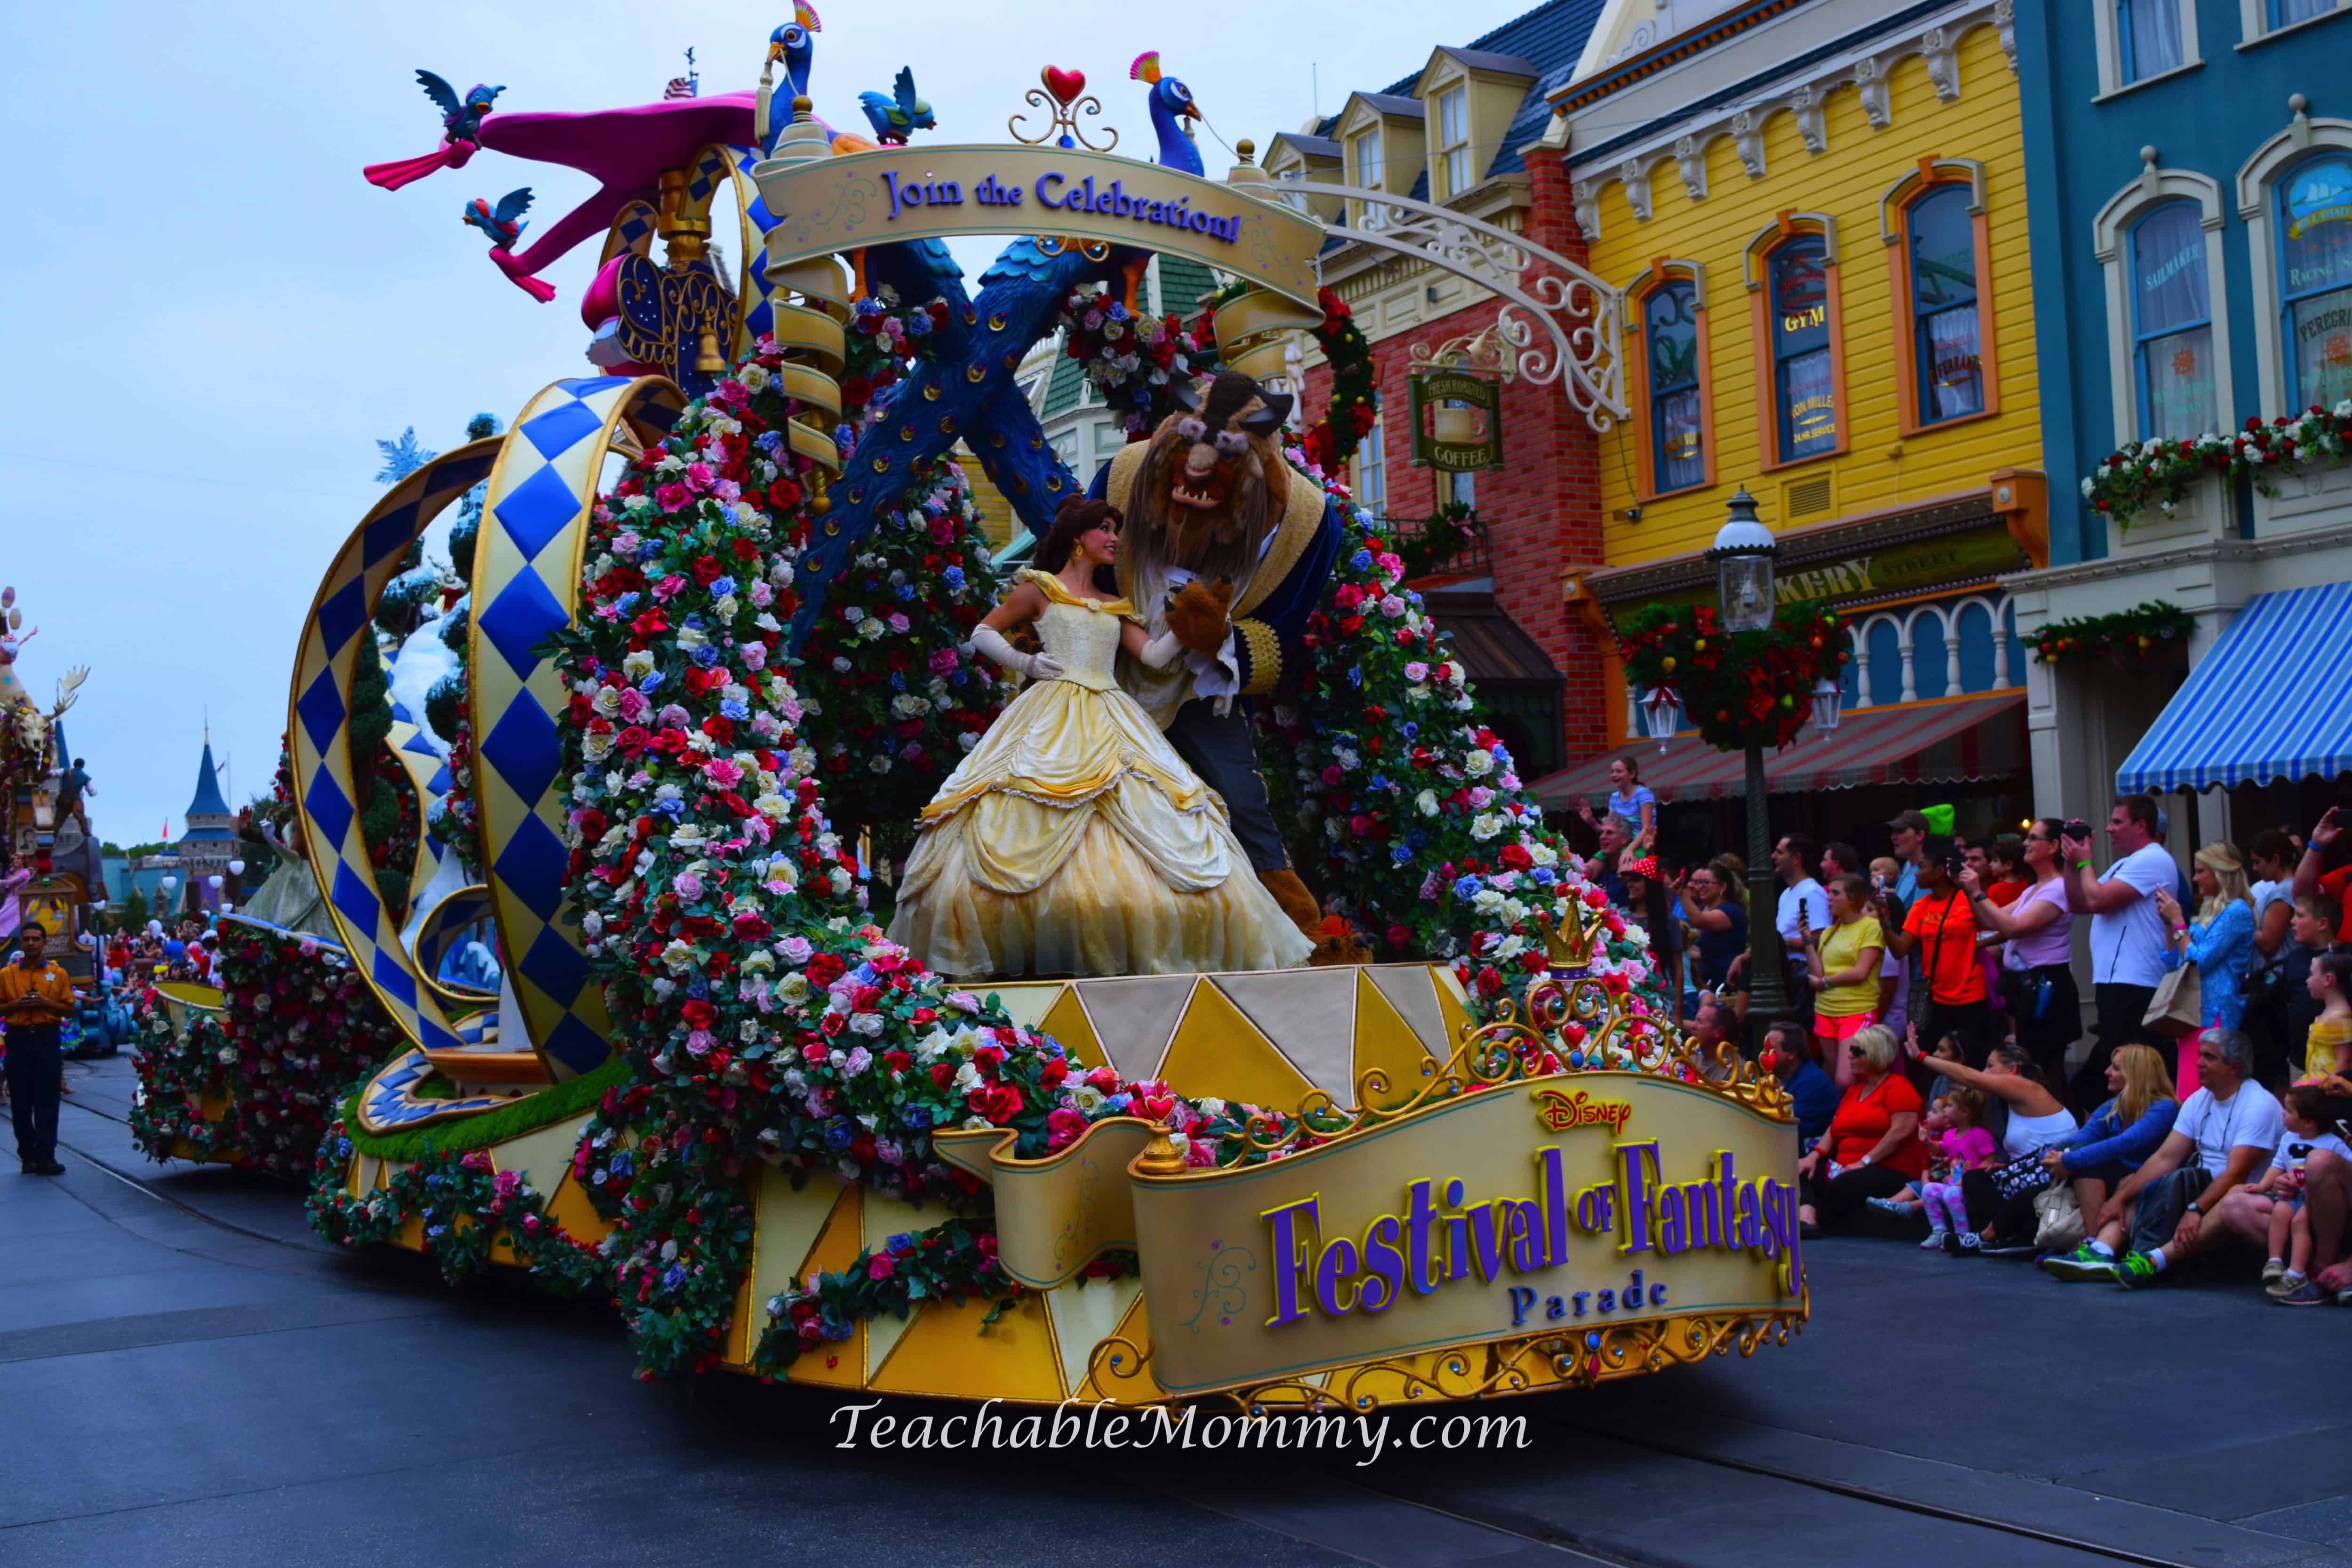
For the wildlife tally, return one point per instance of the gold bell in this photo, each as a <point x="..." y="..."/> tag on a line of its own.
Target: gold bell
<point x="707" y="356"/>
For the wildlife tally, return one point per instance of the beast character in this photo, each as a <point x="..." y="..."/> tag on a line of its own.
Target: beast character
<point x="1228" y="547"/>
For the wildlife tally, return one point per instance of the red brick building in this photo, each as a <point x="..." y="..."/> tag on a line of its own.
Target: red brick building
<point x="1463" y="133"/>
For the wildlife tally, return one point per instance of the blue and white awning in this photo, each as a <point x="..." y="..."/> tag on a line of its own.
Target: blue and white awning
<point x="2271" y="700"/>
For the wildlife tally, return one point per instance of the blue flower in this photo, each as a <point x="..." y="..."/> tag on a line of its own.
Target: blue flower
<point x="1417" y="839"/>
<point x="919" y="325"/>
<point x="837" y="1135"/>
<point x="907" y="592"/>
<point x="698" y="987"/>
<point x="1379" y="781"/>
<point x="1543" y="876"/>
<point x="674" y="1276"/>
<point x="917" y="1117"/>
<point x="721" y="586"/>
<point x="898" y="681"/>
<point x="707" y="654"/>
<point x="769" y="441"/>
<point x="1410" y="731"/>
<point x="1400" y="853"/>
<point x="669" y="807"/>
<point x="735" y="711"/>
<point x="652" y="683"/>
<point x="1361" y="561"/>
<point x="953" y="578"/>
<point x="695" y="621"/>
<point x="900" y="1242"/>
<point x="1467" y="888"/>
<point x="1355" y="675"/>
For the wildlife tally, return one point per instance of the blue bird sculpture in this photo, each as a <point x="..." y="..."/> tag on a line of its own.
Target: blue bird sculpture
<point x="1171" y="104"/>
<point x="793" y="45"/>
<point x="894" y="117"/>
<point x="461" y="119"/>
<point x="502" y="222"/>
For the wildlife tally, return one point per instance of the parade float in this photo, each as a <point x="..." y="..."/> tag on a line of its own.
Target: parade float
<point x="48" y="845"/>
<point x="722" y="603"/>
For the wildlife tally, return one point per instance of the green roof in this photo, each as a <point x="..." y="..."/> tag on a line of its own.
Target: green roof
<point x="1184" y="284"/>
<point x="1062" y="389"/>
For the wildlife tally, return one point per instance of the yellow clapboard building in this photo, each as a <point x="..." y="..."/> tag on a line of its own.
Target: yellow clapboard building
<point x="1817" y="210"/>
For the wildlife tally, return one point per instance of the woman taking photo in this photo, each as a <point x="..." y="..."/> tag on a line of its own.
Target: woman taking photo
<point x="2001" y="1201"/>
<point x="2119" y="1135"/>
<point x="2039" y="933"/>
<point x="1842" y="968"/>
<point x="1871" y="1149"/>
<point x="1719" y="924"/>
<point x="2219" y="941"/>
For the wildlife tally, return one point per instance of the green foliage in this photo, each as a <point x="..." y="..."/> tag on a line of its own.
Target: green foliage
<point x="2126" y="636"/>
<point x="545" y="1109"/>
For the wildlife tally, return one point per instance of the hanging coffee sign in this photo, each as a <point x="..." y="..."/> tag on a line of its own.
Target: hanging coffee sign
<point x="1457" y="420"/>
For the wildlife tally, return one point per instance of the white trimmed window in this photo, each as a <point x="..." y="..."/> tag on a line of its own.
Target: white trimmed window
<point x="1454" y="141"/>
<point x="2159" y="239"/>
<point x="2295" y="197"/>
<point x="2140" y="40"/>
<point x="1372" y="471"/>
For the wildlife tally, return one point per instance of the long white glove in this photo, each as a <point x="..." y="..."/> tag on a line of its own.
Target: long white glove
<point x="1162" y="650"/>
<point x="988" y="641"/>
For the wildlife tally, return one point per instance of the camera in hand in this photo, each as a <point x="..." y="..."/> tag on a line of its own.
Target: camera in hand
<point x="2077" y="828"/>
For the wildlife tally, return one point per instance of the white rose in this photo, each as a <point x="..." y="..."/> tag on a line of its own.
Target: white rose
<point x="1425" y="803"/>
<point x="1486" y="825"/>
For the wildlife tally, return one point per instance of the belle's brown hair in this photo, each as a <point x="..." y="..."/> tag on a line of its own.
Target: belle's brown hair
<point x="1078" y="515"/>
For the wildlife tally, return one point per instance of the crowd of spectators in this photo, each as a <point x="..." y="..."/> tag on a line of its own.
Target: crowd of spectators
<point x="1946" y="1087"/>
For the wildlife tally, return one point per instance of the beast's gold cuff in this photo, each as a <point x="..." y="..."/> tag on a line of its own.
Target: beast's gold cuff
<point x="1263" y="655"/>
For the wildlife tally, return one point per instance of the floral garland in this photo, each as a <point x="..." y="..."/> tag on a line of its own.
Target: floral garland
<point x="883" y="337"/>
<point x="296" y="1026"/>
<point x="1132" y="360"/>
<point x="2158" y="472"/>
<point x="177" y="1073"/>
<point x="304" y="1024"/>
<point x="1739" y="688"/>
<point x="1355" y="405"/>
<point x="1429" y="839"/>
<point x="903" y="701"/>
<point x="2127" y="637"/>
<point x="465" y="1206"/>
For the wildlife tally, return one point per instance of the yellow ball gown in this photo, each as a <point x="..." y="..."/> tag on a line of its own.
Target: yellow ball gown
<point x="1074" y="840"/>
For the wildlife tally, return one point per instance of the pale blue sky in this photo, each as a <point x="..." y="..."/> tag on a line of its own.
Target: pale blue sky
<point x="213" y="317"/>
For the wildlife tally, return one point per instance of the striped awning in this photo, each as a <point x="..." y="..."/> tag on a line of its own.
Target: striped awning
<point x="2271" y="700"/>
<point x="1980" y="737"/>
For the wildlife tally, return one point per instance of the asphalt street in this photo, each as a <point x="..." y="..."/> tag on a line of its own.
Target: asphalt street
<point x="190" y="1377"/>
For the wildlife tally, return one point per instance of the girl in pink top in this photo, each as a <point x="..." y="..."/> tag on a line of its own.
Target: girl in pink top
<point x="1960" y="1146"/>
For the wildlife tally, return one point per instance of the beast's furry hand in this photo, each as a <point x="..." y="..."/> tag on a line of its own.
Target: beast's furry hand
<point x="1200" y="614"/>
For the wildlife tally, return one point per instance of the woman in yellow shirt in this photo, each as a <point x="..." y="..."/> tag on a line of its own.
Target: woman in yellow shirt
<point x="1841" y="967"/>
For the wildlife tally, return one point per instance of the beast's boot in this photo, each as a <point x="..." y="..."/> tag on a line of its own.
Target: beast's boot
<point x="1295" y="901"/>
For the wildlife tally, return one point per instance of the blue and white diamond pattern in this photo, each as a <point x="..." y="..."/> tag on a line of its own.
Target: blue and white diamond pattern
<point x="335" y="637"/>
<point x="526" y="584"/>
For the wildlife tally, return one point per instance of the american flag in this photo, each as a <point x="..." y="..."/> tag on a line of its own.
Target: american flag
<point x="679" y="87"/>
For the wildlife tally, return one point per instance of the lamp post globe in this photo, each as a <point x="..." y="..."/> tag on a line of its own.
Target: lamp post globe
<point x="1743" y="554"/>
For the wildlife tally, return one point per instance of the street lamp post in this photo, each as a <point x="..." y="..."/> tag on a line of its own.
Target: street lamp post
<point x="1743" y="556"/>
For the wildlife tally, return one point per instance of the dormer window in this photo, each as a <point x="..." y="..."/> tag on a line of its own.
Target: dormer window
<point x="1365" y="164"/>
<point x="1453" y="140"/>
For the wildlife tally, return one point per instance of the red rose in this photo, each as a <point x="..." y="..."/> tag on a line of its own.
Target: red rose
<point x="1516" y="858"/>
<point x="825" y="968"/>
<point x="707" y="570"/>
<point x="699" y="1013"/>
<point x="652" y="622"/>
<point x="997" y="1102"/>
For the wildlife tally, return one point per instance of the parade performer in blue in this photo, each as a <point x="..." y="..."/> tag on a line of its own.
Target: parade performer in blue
<point x="1228" y="547"/>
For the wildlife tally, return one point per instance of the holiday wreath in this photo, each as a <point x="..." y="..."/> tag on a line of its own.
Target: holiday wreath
<point x="1738" y="688"/>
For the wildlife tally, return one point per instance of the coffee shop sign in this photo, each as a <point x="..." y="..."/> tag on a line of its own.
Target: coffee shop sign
<point x="1054" y="191"/>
